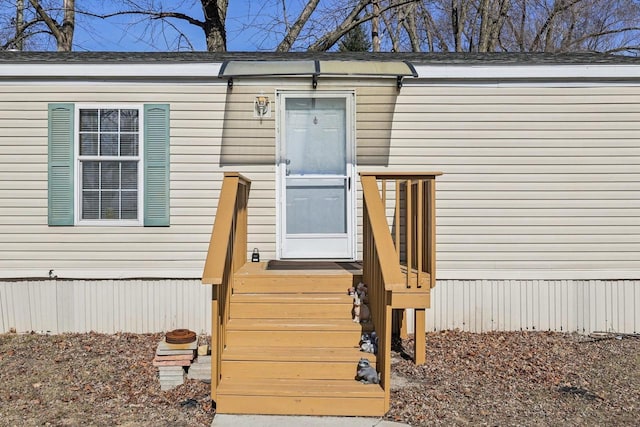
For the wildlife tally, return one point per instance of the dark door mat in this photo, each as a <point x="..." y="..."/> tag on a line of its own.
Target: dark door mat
<point x="312" y="265"/>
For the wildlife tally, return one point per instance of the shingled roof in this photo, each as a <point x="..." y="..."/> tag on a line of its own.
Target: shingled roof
<point x="448" y="58"/>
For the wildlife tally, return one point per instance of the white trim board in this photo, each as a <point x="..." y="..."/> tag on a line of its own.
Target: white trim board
<point x="88" y="274"/>
<point x="111" y="70"/>
<point x="537" y="274"/>
<point x="431" y="72"/>
<point x="537" y="72"/>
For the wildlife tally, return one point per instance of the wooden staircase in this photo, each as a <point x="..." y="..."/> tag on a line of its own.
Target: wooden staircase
<point x="292" y="347"/>
<point x="282" y="339"/>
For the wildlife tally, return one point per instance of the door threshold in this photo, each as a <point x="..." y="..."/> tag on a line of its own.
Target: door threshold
<point x="313" y="264"/>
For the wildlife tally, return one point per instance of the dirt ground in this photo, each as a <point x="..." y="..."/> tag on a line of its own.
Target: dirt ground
<point x="469" y="379"/>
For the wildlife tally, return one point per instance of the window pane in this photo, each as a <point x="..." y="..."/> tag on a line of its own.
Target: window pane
<point x="90" y="204"/>
<point x="110" y="175"/>
<point x="88" y="144"/>
<point x="109" y="144"/>
<point x="88" y="120"/>
<point x="109" y="120"/>
<point x="129" y="144"/>
<point x="129" y="205"/>
<point x="110" y="205"/>
<point x="129" y="175"/>
<point x="90" y="175"/>
<point x="128" y="120"/>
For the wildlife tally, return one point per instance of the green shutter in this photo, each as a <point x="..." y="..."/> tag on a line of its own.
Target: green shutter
<point x="61" y="164"/>
<point x="156" y="165"/>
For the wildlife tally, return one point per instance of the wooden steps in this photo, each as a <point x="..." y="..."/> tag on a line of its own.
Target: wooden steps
<point x="298" y="306"/>
<point x="327" y="363"/>
<point x="300" y="397"/>
<point x="292" y="348"/>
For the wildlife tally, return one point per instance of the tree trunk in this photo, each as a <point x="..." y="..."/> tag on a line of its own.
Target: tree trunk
<point x="497" y="24"/>
<point x="19" y="43"/>
<point x="63" y="33"/>
<point x="67" y="29"/>
<point x="410" y="26"/>
<point x="375" y="27"/>
<point x="485" y="22"/>
<point x="215" y="15"/>
<point x="458" y="17"/>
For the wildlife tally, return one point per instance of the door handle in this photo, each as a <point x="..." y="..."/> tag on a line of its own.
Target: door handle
<point x="349" y="184"/>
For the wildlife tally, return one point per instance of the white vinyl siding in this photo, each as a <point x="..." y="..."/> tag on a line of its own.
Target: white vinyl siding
<point x="536" y="178"/>
<point x="29" y="248"/>
<point x="538" y="181"/>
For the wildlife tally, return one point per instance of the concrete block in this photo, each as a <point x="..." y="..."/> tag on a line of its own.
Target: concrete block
<point x="200" y="376"/>
<point x="161" y="352"/>
<point x="163" y="345"/>
<point x="174" y="357"/>
<point x="202" y="360"/>
<point x="165" y="370"/>
<point x="171" y="362"/>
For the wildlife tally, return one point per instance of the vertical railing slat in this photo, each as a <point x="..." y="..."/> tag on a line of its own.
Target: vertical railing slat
<point x="431" y="233"/>
<point x="397" y="219"/>
<point x="408" y="231"/>
<point x="419" y="234"/>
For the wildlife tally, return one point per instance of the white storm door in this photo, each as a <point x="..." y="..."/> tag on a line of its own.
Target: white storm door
<point x="316" y="169"/>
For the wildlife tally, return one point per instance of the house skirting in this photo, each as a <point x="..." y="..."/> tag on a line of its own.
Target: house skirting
<point x="142" y="306"/>
<point x="108" y="306"/>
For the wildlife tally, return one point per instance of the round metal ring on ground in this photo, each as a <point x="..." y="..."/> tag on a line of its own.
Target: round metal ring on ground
<point x="180" y="336"/>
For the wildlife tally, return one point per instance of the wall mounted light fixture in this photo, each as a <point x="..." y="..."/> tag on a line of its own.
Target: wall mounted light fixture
<point x="262" y="106"/>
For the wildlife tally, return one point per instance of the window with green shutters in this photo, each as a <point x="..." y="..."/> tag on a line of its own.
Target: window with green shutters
<point x="109" y="165"/>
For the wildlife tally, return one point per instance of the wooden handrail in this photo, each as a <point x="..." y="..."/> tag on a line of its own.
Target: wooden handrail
<point x="389" y="267"/>
<point x="227" y="253"/>
<point x="222" y="227"/>
<point x="382" y="256"/>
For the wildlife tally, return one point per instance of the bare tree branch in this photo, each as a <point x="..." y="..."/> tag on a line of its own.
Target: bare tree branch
<point x="350" y="21"/>
<point x="293" y="32"/>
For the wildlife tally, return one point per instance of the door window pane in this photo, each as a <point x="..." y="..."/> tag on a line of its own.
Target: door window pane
<point x="316" y="209"/>
<point x="315" y="136"/>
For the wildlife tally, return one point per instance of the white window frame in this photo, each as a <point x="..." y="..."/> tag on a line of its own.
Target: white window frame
<point x="78" y="169"/>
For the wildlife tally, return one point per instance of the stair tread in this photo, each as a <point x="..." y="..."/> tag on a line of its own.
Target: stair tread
<point x="293" y="298"/>
<point x="288" y="354"/>
<point x="261" y="270"/>
<point x="298" y="387"/>
<point x="341" y="325"/>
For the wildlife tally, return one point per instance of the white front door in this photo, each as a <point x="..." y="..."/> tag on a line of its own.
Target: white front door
<point x="316" y="175"/>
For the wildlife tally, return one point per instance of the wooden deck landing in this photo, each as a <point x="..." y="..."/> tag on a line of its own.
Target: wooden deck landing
<point x="292" y="348"/>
